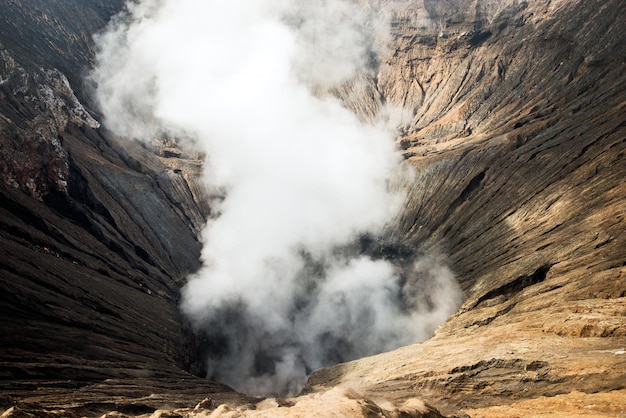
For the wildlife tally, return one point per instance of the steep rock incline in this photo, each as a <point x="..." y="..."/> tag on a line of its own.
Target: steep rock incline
<point x="514" y="120"/>
<point x="517" y="135"/>
<point x="55" y="34"/>
<point x="96" y="236"/>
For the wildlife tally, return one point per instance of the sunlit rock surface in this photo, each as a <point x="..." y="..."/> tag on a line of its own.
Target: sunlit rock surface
<point x="514" y="117"/>
<point x="517" y="135"/>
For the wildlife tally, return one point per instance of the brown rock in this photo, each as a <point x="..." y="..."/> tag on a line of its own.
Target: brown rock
<point x="342" y="402"/>
<point x="520" y="193"/>
<point x="206" y="403"/>
<point x="515" y="118"/>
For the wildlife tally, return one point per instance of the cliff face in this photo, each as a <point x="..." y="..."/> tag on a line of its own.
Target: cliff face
<point x="516" y="127"/>
<point x="517" y="137"/>
<point x="96" y="237"/>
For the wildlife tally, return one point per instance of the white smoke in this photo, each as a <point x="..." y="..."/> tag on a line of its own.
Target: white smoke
<point x="285" y="287"/>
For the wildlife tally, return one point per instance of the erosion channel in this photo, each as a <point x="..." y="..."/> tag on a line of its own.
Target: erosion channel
<point x="514" y="125"/>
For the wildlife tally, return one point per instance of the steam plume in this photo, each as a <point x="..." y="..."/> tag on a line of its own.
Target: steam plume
<point x="292" y="278"/>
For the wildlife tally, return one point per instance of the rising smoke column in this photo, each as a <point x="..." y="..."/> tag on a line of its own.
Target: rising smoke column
<point x="282" y="290"/>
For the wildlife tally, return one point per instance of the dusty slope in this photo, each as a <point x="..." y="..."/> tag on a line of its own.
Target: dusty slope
<point x="95" y="238"/>
<point x="517" y="130"/>
<point x="518" y="139"/>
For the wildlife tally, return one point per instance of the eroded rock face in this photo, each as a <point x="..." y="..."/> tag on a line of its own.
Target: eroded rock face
<point x="517" y="137"/>
<point x="514" y="120"/>
<point x="96" y="236"/>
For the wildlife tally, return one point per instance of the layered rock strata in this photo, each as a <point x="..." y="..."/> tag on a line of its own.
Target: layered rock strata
<point x="513" y="117"/>
<point x="517" y="135"/>
<point x="96" y="235"/>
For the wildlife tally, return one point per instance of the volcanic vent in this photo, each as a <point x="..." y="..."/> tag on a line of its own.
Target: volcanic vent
<point x="281" y="291"/>
<point x="513" y="120"/>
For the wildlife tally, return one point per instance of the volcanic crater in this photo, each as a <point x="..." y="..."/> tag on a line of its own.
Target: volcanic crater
<point x="516" y="135"/>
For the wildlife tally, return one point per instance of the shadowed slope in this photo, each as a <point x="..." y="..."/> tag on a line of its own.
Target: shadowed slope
<point x="95" y="238"/>
<point x="516" y="127"/>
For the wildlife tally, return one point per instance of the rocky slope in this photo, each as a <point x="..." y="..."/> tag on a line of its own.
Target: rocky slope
<point x="518" y="139"/>
<point x="95" y="237"/>
<point x="516" y="127"/>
